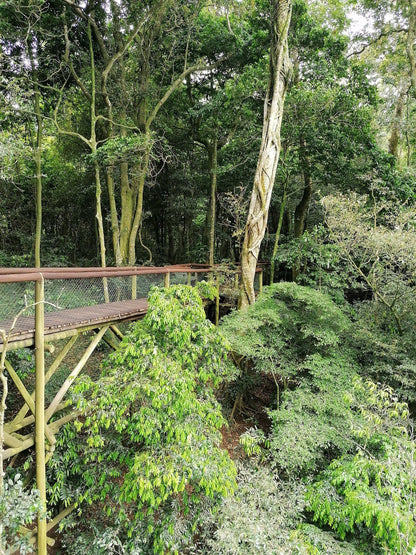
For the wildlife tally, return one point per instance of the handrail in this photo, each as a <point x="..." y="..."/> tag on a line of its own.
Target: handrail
<point x="113" y="269"/>
<point x="12" y="275"/>
<point x="15" y="278"/>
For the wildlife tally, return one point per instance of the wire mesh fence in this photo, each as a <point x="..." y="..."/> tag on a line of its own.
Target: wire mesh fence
<point x="76" y="292"/>
<point x="63" y="294"/>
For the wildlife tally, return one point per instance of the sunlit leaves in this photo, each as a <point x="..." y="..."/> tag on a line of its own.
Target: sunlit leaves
<point x="150" y="425"/>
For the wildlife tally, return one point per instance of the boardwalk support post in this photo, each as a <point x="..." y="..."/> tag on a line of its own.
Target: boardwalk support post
<point x="40" y="411"/>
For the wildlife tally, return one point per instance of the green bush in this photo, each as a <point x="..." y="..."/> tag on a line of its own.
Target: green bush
<point x="149" y="450"/>
<point x="258" y="519"/>
<point x="372" y="493"/>
<point x="312" y="425"/>
<point x="17" y="508"/>
<point x="287" y="324"/>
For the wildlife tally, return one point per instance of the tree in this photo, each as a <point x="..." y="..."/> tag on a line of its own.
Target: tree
<point x="22" y="39"/>
<point x="269" y="150"/>
<point x="390" y="50"/>
<point x="376" y="239"/>
<point x="129" y="145"/>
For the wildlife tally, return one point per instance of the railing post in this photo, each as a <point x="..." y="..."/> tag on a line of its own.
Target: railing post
<point x="134" y="287"/>
<point x="167" y="280"/>
<point x="189" y="278"/>
<point x="40" y="410"/>
<point x="261" y="280"/>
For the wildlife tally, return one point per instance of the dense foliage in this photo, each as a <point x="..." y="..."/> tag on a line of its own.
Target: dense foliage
<point x="348" y="439"/>
<point x="148" y="451"/>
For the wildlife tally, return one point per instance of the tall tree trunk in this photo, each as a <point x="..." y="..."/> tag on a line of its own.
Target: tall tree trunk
<point x="93" y="145"/>
<point x="212" y="148"/>
<point x="142" y="170"/>
<point x="277" y="236"/>
<point x="115" y="230"/>
<point x="127" y="211"/>
<point x="302" y="208"/>
<point x="37" y="147"/>
<point x="300" y="217"/>
<point x="38" y="165"/>
<point x="396" y="125"/>
<point x="269" y="150"/>
<point x="410" y="44"/>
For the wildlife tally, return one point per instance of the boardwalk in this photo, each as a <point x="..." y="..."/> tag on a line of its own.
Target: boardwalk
<point x="57" y="324"/>
<point x="78" y="299"/>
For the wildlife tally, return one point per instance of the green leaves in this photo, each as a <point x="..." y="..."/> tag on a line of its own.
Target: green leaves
<point x="150" y="425"/>
<point x="17" y="508"/>
<point x="372" y="493"/>
<point x="287" y="324"/>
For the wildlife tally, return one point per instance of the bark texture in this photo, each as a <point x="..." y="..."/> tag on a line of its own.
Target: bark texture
<point x="396" y="125"/>
<point x="269" y="150"/>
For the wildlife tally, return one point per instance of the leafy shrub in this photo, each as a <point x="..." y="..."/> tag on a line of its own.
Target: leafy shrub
<point x="383" y="355"/>
<point x="287" y="324"/>
<point x="17" y="507"/>
<point x="317" y="261"/>
<point x="96" y="541"/>
<point x="372" y="493"/>
<point x="313" y="423"/>
<point x="258" y="518"/>
<point x="308" y="539"/>
<point x="295" y="333"/>
<point x="150" y="426"/>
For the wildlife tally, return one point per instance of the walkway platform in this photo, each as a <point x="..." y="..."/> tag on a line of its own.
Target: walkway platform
<point x="65" y="323"/>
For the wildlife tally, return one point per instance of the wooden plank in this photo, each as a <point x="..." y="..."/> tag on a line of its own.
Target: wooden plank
<point x="76" y="318"/>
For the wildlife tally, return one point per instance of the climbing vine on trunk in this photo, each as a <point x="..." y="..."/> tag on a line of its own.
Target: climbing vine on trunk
<point x="269" y="149"/>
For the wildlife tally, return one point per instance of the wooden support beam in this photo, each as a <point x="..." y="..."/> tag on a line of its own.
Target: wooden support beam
<point x="22" y="443"/>
<point x="117" y="331"/>
<point x="26" y="444"/>
<point x="16" y="425"/>
<point x="70" y="379"/>
<point x="27" y="397"/>
<point x="11" y="441"/>
<point x="13" y="426"/>
<point x="20" y="417"/>
<point x="40" y="413"/>
<point x="51" y="524"/>
<point x="134" y="287"/>
<point x="111" y="339"/>
<point x="29" y="400"/>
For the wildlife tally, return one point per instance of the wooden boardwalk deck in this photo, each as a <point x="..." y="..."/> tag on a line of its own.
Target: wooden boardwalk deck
<point x="63" y="322"/>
